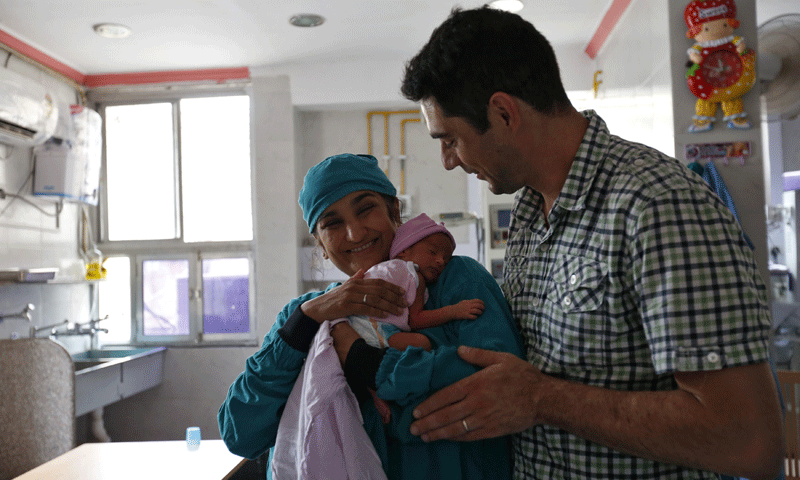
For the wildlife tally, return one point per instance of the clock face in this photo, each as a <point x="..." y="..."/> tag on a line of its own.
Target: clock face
<point x="721" y="68"/>
<point x="722" y="74"/>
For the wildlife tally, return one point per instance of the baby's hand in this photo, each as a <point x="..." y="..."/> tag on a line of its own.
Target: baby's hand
<point x="382" y="406"/>
<point x="469" y="309"/>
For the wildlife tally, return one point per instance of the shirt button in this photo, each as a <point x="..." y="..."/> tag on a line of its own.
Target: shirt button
<point x="638" y="162"/>
<point x="536" y="302"/>
<point x="573" y="279"/>
<point x="544" y="247"/>
<point x="712" y="357"/>
<point x="567" y="302"/>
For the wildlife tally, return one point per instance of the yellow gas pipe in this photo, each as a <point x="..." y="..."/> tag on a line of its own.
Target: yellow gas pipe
<point x="403" y="152"/>
<point x="385" y="114"/>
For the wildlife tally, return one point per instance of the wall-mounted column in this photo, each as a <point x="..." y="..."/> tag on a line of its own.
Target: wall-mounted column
<point x="745" y="182"/>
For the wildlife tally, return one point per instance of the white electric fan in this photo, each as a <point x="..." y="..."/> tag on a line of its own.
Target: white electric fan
<point x="779" y="74"/>
<point x="779" y="66"/>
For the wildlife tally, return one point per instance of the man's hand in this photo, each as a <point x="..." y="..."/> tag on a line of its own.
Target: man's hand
<point x="498" y="400"/>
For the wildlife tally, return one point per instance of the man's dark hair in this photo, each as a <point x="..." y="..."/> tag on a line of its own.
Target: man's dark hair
<point x="476" y="53"/>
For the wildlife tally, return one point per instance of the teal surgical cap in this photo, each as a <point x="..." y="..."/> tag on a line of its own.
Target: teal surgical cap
<point x="336" y="177"/>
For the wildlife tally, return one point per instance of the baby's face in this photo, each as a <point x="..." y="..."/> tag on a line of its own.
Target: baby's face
<point x="431" y="254"/>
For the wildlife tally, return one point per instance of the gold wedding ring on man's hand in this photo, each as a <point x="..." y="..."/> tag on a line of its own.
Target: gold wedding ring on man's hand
<point x="365" y="299"/>
<point x="466" y="427"/>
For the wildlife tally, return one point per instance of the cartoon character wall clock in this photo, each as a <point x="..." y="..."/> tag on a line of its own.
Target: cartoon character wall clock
<point x="722" y="68"/>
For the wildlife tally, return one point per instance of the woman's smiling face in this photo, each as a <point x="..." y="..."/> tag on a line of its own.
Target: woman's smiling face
<point x="356" y="232"/>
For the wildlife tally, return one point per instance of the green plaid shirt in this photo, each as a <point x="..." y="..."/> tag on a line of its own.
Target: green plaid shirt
<point x="643" y="272"/>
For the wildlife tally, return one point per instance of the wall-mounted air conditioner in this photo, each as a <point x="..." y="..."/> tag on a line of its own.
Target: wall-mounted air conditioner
<point x="28" y="113"/>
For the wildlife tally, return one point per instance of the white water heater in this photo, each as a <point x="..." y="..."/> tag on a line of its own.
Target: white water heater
<point x="69" y="167"/>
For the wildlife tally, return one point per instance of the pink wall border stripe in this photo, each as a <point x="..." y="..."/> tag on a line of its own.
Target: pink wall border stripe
<point x="37" y="55"/>
<point x="608" y="23"/>
<point x="215" y="74"/>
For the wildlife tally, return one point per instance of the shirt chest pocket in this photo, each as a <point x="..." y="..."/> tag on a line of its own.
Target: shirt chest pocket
<point x="515" y="274"/>
<point x="580" y="284"/>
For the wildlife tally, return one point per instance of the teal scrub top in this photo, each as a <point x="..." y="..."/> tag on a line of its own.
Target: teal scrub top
<point x="249" y="417"/>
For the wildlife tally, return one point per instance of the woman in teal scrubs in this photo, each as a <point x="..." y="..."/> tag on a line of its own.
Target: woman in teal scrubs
<point x="352" y="210"/>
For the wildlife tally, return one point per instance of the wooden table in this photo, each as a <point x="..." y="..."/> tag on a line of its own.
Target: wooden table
<point x="140" y="461"/>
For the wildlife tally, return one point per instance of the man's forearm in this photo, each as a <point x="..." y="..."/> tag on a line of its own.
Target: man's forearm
<point x="734" y="433"/>
<point x="725" y="421"/>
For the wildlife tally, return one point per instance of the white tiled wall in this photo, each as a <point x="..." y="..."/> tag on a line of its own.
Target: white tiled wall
<point x="32" y="239"/>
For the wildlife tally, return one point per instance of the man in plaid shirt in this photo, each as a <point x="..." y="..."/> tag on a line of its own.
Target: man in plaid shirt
<point x="645" y="320"/>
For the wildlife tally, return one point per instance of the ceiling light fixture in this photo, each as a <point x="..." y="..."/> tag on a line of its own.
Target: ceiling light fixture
<point x="112" y="30"/>
<point x="307" y="20"/>
<point x="512" y="6"/>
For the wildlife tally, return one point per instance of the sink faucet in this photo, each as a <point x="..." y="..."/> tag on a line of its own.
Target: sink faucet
<point x="93" y="341"/>
<point x="52" y="327"/>
<point x="88" y="328"/>
<point x="93" y="325"/>
<point x="25" y="314"/>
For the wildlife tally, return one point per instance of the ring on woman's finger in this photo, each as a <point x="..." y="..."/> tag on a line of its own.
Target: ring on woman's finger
<point x="466" y="427"/>
<point x="365" y="298"/>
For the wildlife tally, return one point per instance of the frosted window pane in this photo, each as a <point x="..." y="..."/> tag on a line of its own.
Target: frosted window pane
<point x="165" y="295"/>
<point x="140" y="169"/>
<point x="226" y="295"/>
<point x="215" y="168"/>
<point x="115" y="300"/>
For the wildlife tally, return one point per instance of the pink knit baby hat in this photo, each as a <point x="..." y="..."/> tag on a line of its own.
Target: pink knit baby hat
<point x="415" y="230"/>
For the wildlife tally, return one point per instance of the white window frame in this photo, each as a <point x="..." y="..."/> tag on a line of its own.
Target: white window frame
<point x="195" y="300"/>
<point x="137" y="306"/>
<point x="140" y="250"/>
<point x="251" y="301"/>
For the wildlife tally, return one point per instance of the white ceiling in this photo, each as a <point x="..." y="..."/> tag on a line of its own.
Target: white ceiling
<point x="194" y="34"/>
<point x="197" y="34"/>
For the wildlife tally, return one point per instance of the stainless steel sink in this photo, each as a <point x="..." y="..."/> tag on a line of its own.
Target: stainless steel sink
<point x="113" y="352"/>
<point x="81" y="365"/>
<point x="110" y="356"/>
<point x="108" y="375"/>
